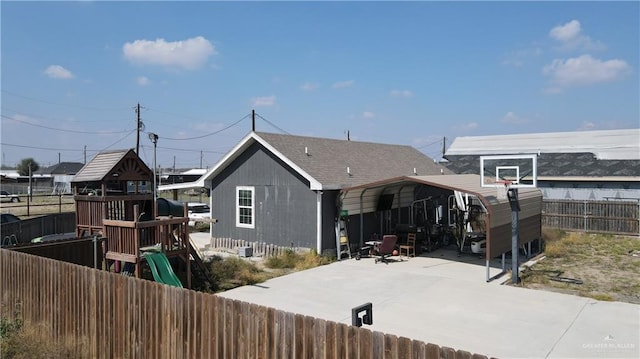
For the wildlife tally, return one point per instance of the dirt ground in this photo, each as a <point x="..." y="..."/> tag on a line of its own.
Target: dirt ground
<point x="590" y="265"/>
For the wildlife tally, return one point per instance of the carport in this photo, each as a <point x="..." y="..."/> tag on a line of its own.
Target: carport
<point x="395" y="199"/>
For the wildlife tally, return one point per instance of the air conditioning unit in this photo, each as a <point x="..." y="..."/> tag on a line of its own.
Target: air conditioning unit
<point x="245" y="252"/>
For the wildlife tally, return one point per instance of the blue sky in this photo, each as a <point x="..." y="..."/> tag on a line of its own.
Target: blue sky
<point x="405" y="73"/>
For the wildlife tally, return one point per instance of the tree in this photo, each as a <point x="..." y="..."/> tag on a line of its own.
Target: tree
<point x="23" y="166"/>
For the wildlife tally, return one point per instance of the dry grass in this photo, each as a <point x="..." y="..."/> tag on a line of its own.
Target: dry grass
<point x="608" y="266"/>
<point x="40" y="205"/>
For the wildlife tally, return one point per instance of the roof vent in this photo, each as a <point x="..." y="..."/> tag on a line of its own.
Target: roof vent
<point x="348" y="171"/>
<point x="415" y="171"/>
<point x="442" y="171"/>
<point x="306" y="151"/>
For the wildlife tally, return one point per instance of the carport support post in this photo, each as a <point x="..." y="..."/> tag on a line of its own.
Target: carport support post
<point x="512" y="194"/>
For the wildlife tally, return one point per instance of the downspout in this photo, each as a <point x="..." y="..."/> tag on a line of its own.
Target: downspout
<point x="362" y="219"/>
<point x="319" y="221"/>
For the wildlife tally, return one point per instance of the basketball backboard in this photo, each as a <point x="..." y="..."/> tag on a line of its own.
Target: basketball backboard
<point x="514" y="171"/>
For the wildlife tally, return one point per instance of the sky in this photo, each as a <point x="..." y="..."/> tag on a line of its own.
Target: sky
<point x="411" y="73"/>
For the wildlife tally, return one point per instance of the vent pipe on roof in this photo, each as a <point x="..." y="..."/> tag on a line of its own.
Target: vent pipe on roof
<point x="442" y="171"/>
<point x="306" y="151"/>
<point x="415" y="172"/>
<point x="348" y="171"/>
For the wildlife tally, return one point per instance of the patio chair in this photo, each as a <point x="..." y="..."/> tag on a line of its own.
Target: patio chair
<point x="410" y="247"/>
<point x="386" y="248"/>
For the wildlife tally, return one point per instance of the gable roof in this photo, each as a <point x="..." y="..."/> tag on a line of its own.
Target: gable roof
<point x="63" y="168"/>
<point x="334" y="164"/>
<point x="123" y="164"/>
<point x="604" y="145"/>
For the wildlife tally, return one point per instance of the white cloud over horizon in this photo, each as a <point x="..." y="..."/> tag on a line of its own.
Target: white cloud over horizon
<point x="309" y="86"/>
<point x="58" y="72"/>
<point x="514" y="119"/>
<point x="368" y="115"/>
<point x="143" y="81"/>
<point x="466" y="127"/>
<point x="585" y="70"/>
<point x="343" y="84"/>
<point x="401" y="93"/>
<point x="189" y="54"/>
<point x="263" y="101"/>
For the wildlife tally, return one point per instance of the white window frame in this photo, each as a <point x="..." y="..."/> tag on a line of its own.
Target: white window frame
<point x="252" y="207"/>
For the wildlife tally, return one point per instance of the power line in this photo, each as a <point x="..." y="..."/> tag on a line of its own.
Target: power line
<point x="63" y="130"/>
<point x="41" y="148"/>
<point x="205" y="135"/>
<point x="272" y="124"/>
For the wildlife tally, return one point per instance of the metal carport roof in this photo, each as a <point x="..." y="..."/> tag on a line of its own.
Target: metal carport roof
<point x="363" y="199"/>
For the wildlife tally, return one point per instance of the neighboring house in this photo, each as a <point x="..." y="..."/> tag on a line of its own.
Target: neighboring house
<point x="284" y="189"/>
<point x="583" y="165"/>
<point x="62" y="174"/>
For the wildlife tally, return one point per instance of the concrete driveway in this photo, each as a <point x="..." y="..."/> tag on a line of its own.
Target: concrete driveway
<point x="449" y="303"/>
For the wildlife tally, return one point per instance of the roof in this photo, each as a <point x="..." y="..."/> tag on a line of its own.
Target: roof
<point x="363" y="199"/>
<point x="63" y="168"/>
<point x="125" y="164"/>
<point x="621" y="144"/>
<point x="557" y="165"/>
<point x="330" y="163"/>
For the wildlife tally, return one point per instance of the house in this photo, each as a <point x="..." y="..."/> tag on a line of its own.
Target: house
<point x="62" y="174"/>
<point x="582" y="165"/>
<point x="284" y="190"/>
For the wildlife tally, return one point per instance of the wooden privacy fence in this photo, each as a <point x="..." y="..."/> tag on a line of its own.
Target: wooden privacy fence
<point x="114" y="316"/>
<point x="615" y="217"/>
<point x="31" y="228"/>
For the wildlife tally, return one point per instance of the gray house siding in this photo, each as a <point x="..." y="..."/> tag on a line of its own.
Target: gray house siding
<point x="285" y="208"/>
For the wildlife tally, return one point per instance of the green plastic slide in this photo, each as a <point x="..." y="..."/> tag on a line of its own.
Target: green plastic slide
<point x="161" y="269"/>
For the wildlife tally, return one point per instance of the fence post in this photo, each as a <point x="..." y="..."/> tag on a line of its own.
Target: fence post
<point x="584" y="216"/>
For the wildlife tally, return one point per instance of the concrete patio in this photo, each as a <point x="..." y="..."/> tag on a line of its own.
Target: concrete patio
<point x="448" y="302"/>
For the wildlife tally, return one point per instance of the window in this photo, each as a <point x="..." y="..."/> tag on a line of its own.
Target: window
<point x="245" y="207"/>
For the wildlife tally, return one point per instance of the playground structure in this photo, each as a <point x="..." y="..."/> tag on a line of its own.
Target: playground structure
<point x="113" y="201"/>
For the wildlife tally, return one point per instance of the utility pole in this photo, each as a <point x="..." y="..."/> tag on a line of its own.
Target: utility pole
<point x="174" y="164"/>
<point x="85" y="154"/>
<point x="200" y="158"/>
<point x="444" y="145"/>
<point x="59" y="158"/>
<point x="138" y="129"/>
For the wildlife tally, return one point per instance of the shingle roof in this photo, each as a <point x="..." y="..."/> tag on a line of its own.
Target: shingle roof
<point x="125" y="163"/>
<point x="558" y="165"/>
<point x="63" y="168"/>
<point x="327" y="160"/>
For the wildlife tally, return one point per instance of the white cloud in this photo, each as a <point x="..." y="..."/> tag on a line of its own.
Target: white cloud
<point x="519" y="57"/>
<point x="585" y="70"/>
<point x="309" y="86"/>
<point x="263" y="101"/>
<point x="143" y="81"/>
<point x="58" y="72"/>
<point x="343" y="84"/>
<point x="188" y="54"/>
<point x="401" y="93"/>
<point x="569" y="35"/>
<point x="567" y="31"/>
<point x="587" y="126"/>
<point x="512" y="118"/>
<point x="467" y="127"/>
<point x="368" y="115"/>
